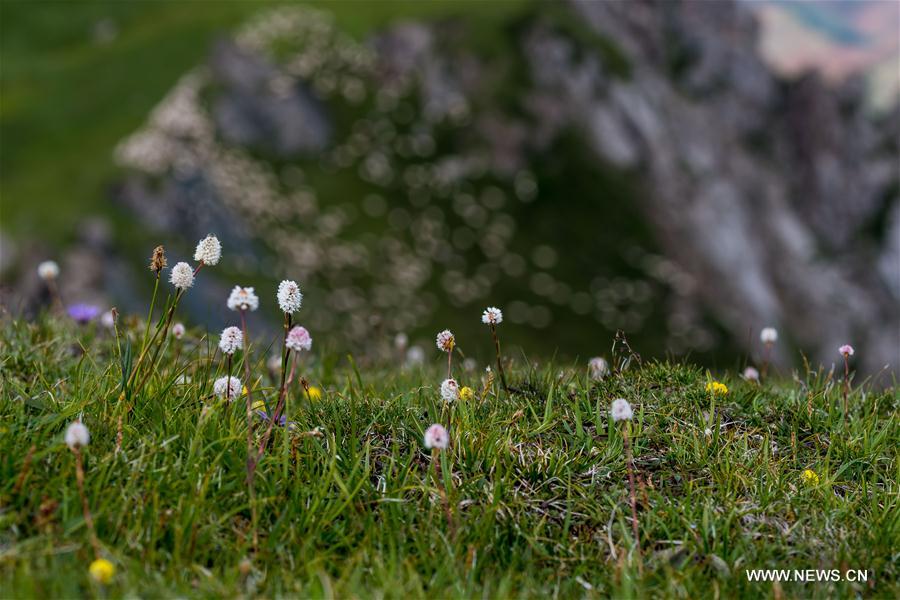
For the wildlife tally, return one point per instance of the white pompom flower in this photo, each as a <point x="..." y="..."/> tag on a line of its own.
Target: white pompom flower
<point x="243" y="298"/>
<point x="492" y="316"/>
<point x="289" y="296"/>
<point x="751" y="374"/>
<point x="208" y="251"/>
<point x="449" y="390"/>
<point x="769" y="335"/>
<point x="621" y="410"/>
<point x="437" y="437"/>
<point x="48" y="270"/>
<point x="298" y="339"/>
<point x="77" y="435"/>
<point x="445" y="341"/>
<point x="178" y="330"/>
<point x="227" y="387"/>
<point x="231" y="341"/>
<point x="182" y="276"/>
<point x="598" y="368"/>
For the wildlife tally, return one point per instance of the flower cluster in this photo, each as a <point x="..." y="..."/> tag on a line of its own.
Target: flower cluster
<point x="208" y="251"/>
<point x="242" y="298"/>
<point x="227" y="387"/>
<point x="598" y="368"/>
<point x="48" y="270"/>
<point x="621" y="410"/>
<point x="298" y="339"/>
<point x="449" y="390"/>
<point x="77" y="435"/>
<point x="492" y="316"/>
<point x="716" y="388"/>
<point x="809" y="477"/>
<point x="289" y="296"/>
<point x="768" y="336"/>
<point x="182" y="276"/>
<point x="846" y="350"/>
<point x="437" y="437"/>
<point x="231" y="340"/>
<point x="445" y="341"/>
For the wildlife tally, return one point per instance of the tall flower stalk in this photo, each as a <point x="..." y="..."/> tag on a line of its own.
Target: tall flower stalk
<point x="846" y="351"/>
<point x="768" y="336"/>
<point x="492" y="317"/>
<point x="621" y="412"/>
<point x="446" y="342"/>
<point x="437" y="439"/>
<point x="77" y="437"/>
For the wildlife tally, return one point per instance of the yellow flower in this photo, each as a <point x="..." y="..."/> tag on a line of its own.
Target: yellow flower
<point x="809" y="477"/>
<point x="258" y="405"/>
<point x="314" y="393"/>
<point x="102" y="570"/>
<point x="716" y="388"/>
<point x="466" y="394"/>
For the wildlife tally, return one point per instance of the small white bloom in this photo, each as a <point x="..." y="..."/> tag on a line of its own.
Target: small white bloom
<point x="178" y="330"/>
<point x="243" y="298"/>
<point x="183" y="380"/>
<point x="298" y="339"/>
<point x="598" y="368"/>
<point x="401" y="340"/>
<point x="289" y="296"/>
<point x="492" y="316"/>
<point x="621" y="410"/>
<point x="437" y="437"/>
<point x="769" y="335"/>
<point x="449" y="390"/>
<point x="846" y="350"/>
<point x="470" y="364"/>
<point x="751" y="374"/>
<point x="445" y="341"/>
<point x="707" y="432"/>
<point x="182" y="276"/>
<point x="227" y="385"/>
<point x="208" y="251"/>
<point x="48" y="270"/>
<point x="108" y="320"/>
<point x="231" y="341"/>
<point x="77" y="435"/>
<point x="415" y="356"/>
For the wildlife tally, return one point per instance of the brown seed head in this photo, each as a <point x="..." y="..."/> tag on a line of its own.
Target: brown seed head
<point x="158" y="260"/>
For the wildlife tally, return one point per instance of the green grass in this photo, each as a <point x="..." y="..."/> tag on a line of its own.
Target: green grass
<point x="536" y="482"/>
<point x="67" y="101"/>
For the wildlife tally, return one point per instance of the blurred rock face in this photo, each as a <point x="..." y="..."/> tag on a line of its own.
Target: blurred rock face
<point x="407" y="175"/>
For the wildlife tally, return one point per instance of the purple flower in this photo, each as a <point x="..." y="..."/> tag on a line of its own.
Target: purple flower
<point x="282" y="420"/>
<point x="82" y="313"/>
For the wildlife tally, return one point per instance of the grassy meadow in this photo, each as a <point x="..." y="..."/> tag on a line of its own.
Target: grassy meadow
<point x="530" y="499"/>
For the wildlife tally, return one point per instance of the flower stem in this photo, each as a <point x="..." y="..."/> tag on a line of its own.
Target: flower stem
<point x="846" y="389"/>
<point x="88" y="519"/>
<point x="629" y="464"/>
<point x="499" y="360"/>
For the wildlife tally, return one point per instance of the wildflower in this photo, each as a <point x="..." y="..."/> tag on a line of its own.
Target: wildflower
<point x="298" y="339"/>
<point x="314" y="393"/>
<point x="415" y="356"/>
<point x="48" y="270"/>
<point x="108" y="319"/>
<point x="751" y="374"/>
<point x="716" y="388"/>
<point x="231" y="340"/>
<point x="83" y="313"/>
<point x="158" y="260"/>
<point x="621" y="410"/>
<point x="707" y="432"/>
<point x="470" y="364"/>
<point x="227" y="387"/>
<point x="289" y="296"/>
<point x="466" y="394"/>
<point x="445" y="341"/>
<point x="401" y="340"/>
<point x="436" y="437"/>
<point x="768" y="336"/>
<point x="182" y="276"/>
<point x="492" y="316"/>
<point x="598" y="368"/>
<point x="77" y="435"/>
<point x="178" y="330"/>
<point x="208" y="251"/>
<point x="243" y="298"/>
<point x="183" y="380"/>
<point x="449" y="390"/>
<point x="809" y="477"/>
<point x="846" y="350"/>
<point x="102" y="570"/>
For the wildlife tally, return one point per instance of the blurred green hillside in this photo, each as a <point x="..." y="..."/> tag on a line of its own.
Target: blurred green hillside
<point x="77" y="77"/>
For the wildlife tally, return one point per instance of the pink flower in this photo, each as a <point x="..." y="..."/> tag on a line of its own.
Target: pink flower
<point x="445" y="341"/>
<point x="846" y="350"/>
<point x="437" y="437"/>
<point x="298" y="339"/>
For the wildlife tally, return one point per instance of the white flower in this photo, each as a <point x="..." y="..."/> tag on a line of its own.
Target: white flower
<point x="751" y="374"/>
<point x="768" y="335"/>
<point x="178" y="330"/>
<point x="298" y="339"/>
<point x="707" y="432"/>
<point x="108" y="320"/>
<point x="846" y="350"/>
<point x="48" y="270"/>
<point x="449" y="390"/>
<point x="183" y="380"/>
<point x="621" y="410"/>
<point x="401" y="340"/>
<point x="77" y="435"/>
<point x="229" y="385"/>
<point x="415" y="356"/>
<point x="445" y="341"/>
<point x="182" y="276"/>
<point x="243" y="298"/>
<point x="437" y="437"/>
<point x="492" y="316"/>
<point x="231" y="340"/>
<point x="208" y="251"/>
<point x="598" y="368"/>
<point x="289" y="296"/>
